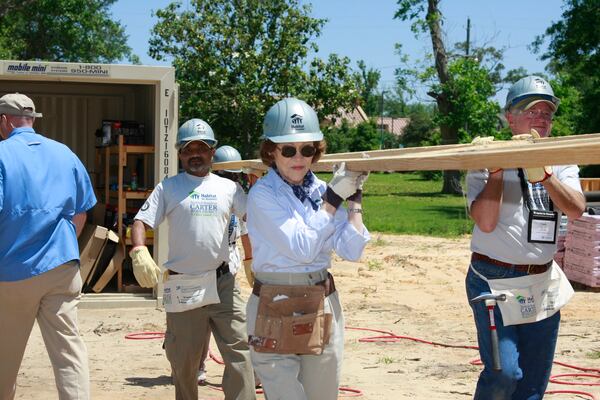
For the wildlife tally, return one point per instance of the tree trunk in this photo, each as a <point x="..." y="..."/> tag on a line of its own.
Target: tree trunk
<point x="449" y="134"/>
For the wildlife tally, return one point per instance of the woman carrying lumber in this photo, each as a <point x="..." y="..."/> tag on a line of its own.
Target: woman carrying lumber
<point x="516" y="214"/>
<point x="295" y="321"/>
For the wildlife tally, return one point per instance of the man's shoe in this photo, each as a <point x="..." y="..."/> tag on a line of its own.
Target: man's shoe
<point x="201" y="377"/>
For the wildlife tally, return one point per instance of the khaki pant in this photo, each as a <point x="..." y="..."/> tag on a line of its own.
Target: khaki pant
<point x="185" y="341"/>
<point x="300" y="377"/>
<point x="52" y="299"/>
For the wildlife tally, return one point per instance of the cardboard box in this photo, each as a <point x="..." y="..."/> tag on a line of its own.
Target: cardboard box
<point x="111" y="269"/>
<point x="104" y="258"/>
<point x="97" y="246"/>
<point x="91" y="242"/>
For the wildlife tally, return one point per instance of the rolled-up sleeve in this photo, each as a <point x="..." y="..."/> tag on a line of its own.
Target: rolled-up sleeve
<point x="476" y="181"/>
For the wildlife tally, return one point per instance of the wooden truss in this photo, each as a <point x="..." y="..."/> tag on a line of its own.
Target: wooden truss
<point x="580" y="149"/>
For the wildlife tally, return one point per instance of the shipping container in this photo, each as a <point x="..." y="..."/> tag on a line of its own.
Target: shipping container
<point x="76" y="98"/>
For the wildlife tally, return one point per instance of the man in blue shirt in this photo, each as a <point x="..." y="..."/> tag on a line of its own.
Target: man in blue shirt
<point x="45" y="192"/>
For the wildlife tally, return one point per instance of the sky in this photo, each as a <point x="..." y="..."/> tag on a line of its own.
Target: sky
<point x="365" y="30"/>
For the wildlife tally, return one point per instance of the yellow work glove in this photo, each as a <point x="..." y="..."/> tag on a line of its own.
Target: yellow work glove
<point x="483" y="140"/>
<point x="534" y="174"/>
<point x="145" y="269"/>
<point x="248" y="271"/>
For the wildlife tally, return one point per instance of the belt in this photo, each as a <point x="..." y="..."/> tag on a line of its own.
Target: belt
<point x="328" y="284"/>
<point x="221" y="270"/>
<point x="530" y="269"/>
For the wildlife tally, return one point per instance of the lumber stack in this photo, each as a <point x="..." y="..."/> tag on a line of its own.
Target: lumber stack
<point x="582" y="255"/>
<point x="579" y="149"/>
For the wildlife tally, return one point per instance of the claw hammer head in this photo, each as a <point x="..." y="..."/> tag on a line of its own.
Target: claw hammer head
<point x="488" y="296"/>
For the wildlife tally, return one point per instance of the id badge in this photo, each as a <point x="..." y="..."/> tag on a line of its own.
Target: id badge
<point x="542" y="226"/>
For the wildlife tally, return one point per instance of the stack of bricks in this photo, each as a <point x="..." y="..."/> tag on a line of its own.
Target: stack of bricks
<point x="582" y="255"/>
<point x="559" y="256"/>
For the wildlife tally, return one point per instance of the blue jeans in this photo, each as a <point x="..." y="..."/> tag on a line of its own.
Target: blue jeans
<point x="526" y="350"/>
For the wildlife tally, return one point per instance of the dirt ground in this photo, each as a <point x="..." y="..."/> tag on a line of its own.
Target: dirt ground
<point x="409" y="285"/>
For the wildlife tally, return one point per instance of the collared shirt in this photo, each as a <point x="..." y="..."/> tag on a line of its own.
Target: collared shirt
<point x="42" y="186"/>
<point x="508" y="242"/>
<point x="290" y="236"/>
<point x="198" y="210"/>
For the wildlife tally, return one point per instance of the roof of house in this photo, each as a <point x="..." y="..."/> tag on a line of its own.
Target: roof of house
<point x="393" y="125"/>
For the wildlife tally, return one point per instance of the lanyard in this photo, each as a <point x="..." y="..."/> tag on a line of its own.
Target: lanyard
<point x="528" y="195"/>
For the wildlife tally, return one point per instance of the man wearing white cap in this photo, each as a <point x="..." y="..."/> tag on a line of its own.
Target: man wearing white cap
<point x="45" y="192"/>
<point x="516" y="214"/>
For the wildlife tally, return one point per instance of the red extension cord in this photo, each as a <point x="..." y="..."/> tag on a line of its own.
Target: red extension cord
<point x="389" y="337"/>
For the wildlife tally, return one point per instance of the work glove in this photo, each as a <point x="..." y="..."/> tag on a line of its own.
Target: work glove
<point x="482" y="141"/>
<point x="145" y="270"/>
<point x="360" y="181"/>
<point x="534" y="174"/>
<point x="248" y="271"/>
<point x="345" y="182"/>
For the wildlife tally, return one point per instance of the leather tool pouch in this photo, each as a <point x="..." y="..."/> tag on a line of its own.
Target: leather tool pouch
<point x="291" y="320"/>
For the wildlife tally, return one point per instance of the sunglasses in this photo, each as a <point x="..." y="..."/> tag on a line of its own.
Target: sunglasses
<point x="290" y="151"/>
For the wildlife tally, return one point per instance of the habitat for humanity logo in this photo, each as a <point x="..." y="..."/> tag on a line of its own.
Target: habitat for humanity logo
<point x="200" y="128"/>
<point x="527" y="304"/>
<point x="297" y="121"/>
<point x="202" y="204"/>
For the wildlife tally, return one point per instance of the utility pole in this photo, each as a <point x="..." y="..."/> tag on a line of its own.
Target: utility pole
<point x="468" y="36"/>
<point x="467" y="48"/>
<point x="381" y="120"/>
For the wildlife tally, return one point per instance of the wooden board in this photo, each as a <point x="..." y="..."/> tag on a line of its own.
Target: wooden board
<point x="580" y="149"/>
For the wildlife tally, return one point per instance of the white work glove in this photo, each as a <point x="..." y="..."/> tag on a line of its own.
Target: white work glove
<point x="344" y="182"/>
<point x="482" y="141"/>
<point x="534" y="174"/>
<point x="145" y="269"/>
<point x="248" y="270"/>
<point x="361" y="179"/>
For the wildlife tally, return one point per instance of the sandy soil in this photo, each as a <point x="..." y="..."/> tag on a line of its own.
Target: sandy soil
<point x="405" y="284"/>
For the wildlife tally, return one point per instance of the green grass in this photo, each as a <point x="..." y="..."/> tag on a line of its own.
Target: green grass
<point x="405" y="203"/>
<point x="594" y="355"/>
<point x="374" y="265"/>
<point x="386" y="360"/>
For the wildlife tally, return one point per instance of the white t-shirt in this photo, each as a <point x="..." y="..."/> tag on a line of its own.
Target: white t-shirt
<point x="198" y="210"/>
<point x="508" y="242"/>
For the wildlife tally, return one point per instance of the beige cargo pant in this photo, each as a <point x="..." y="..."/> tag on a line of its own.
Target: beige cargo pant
<point x="185" y="340"/>
<point x="300" y="377"/>
<point x="50" y="298"/>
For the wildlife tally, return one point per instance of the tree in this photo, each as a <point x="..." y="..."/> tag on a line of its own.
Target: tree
<point x="366" y="137"/>
<point x="62" y="30"/>
<point x="462" y="86"/>
<point x="234" y="59"/>
<point x="470" y="88"/>
<point x="369" y="81"/>
<point x="421" y="130"/>
<point x="413" y="9"/>
<point x="574" y="55"/>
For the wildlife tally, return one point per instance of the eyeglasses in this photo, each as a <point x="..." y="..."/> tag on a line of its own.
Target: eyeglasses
<point x="290" y="151"/>
<point x="189" y="150"/>
<point x="533" y="114"/>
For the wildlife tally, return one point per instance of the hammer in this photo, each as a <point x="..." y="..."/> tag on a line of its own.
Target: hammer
<point x="490" y="302"/>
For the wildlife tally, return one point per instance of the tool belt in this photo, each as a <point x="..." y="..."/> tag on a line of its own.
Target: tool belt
<point x="292" y="319"/>
<point x="530" y="269"/>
